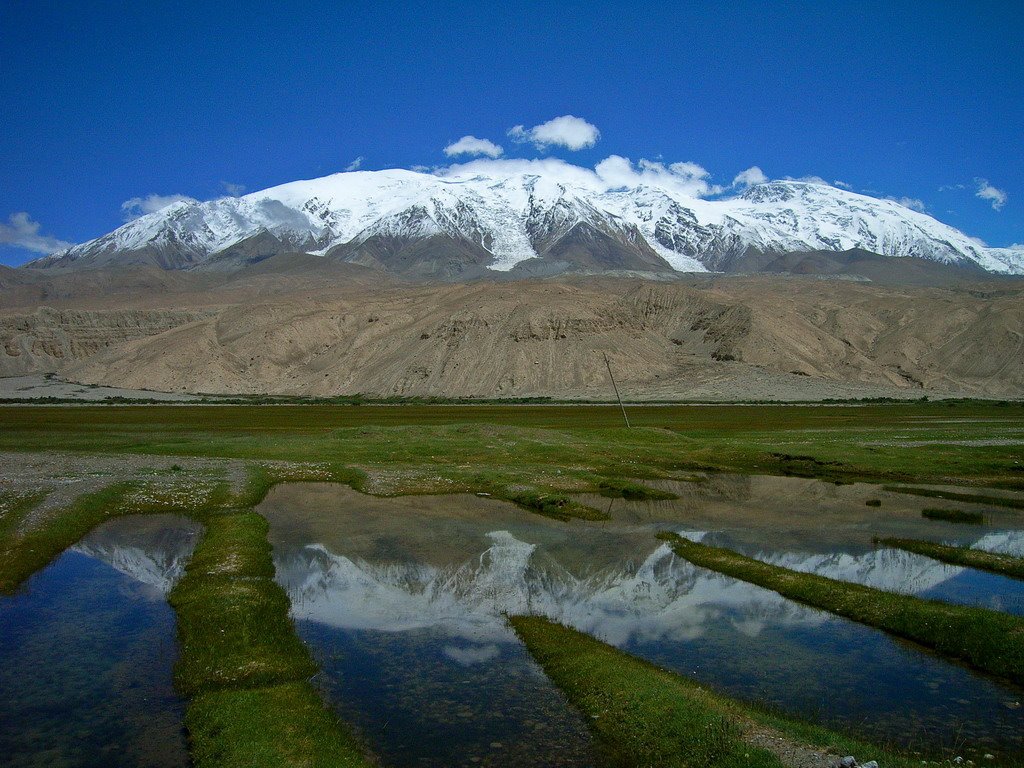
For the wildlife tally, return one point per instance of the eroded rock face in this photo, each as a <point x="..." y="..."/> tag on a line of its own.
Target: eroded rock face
<point x="49" y="339"/>
<point x="717" y="338"/>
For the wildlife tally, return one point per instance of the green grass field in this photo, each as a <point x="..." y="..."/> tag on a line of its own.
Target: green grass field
<point x="250" y="700"/>
<point x="476" y="446"/>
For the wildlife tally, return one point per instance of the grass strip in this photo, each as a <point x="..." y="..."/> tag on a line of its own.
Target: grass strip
<point x="21" y="556"/>
<point x="639" y="714"/>
<point x="1004" y="565"/>
<point x="283" y="725"/>
<point x="988" y="640"/>
<point x="243" y="667"/>
<point x="967" y="498"/>
<point x="623" y="489"/>
<point x="553" y="505"/>
<point x="644" y="715"/>
<point x="953" y="515"/>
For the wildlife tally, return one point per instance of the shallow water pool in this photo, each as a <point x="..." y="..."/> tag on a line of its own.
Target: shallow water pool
<point x="87" y="650"/>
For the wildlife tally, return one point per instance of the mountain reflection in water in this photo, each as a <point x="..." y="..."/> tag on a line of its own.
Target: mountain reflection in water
<point x="441" y="573"/>
<point x="87" y="651"/>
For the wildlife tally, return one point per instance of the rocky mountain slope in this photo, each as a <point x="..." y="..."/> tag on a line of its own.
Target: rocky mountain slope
<point x="548" y="219"/>
<point x="707" y="337"/>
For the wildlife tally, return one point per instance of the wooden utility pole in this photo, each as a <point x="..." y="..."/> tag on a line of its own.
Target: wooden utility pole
<point x="625" y="418"/>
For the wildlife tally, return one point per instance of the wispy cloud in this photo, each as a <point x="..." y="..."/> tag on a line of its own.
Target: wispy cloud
<point x="613" y="172"/>
<point x="994" y="195"/>
<point x="21" y="231"/>
<point x="809" y="180"/>
<point x="355" y="165"/>
<point x="841" y="184"/>
<point x="140" y="206"/>
<point x="909" y="202"/>
<point x="567" y="131"/>
<point x="234" y="190"/>
<point x="471" y="145"/>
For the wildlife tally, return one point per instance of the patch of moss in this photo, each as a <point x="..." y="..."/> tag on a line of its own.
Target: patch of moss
<point x="553" y="505"/>
<point x="953" y="515"/>
<point x="623" y="489"/>
<point x="273" y="727"/>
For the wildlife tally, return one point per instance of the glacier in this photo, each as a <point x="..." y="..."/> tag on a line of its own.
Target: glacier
<point x="501" y="215"/>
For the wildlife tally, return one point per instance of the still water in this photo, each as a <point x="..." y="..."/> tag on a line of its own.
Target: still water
<point x="402" y="602"/>
<point x="87" y="648"/>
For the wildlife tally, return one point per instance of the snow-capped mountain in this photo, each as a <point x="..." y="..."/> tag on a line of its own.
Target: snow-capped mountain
<point x="657" y="597"/>
<point x="551" y="218"/>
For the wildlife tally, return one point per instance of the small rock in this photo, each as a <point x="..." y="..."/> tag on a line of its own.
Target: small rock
<point x="848" y="762"/>
<point x="870" y="764"/>
<point x="957" y="760"/>
<point x="989" y="756"/>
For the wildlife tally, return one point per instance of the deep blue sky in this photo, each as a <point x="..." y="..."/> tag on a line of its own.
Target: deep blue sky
<point x="102" y="102"/>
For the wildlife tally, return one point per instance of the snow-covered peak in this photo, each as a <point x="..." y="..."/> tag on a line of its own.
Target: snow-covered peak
<point x="505" y="213"/>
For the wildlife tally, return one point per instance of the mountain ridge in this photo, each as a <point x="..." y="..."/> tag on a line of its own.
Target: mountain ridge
<point x="464" y="223"/>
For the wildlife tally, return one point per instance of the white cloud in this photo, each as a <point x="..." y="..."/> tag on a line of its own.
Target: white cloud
<point x="140" y="206"/>
<point x="809" y="180"/>
<point x="614" y="172"/>
<point x="909" y="202"/>
<point x="986" y="191"/>
<point x="21" y="232"/>
<point x="749" y="177"/>
<point x="471" y="145"/>
<point x="567" y="131"/>
<point x="234" y="190"/>
<point x="355" y="165"/>
<point x="841" y="184"/>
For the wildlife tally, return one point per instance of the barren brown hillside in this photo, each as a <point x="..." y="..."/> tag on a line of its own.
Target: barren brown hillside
<point x="282" y="329"/>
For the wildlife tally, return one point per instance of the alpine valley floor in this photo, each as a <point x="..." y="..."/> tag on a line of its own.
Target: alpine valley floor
<point x="379" y="547"/>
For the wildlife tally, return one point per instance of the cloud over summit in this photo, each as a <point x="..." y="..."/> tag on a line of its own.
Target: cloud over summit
<point x="471" y="145"/>
<point x="140" y="206"/>
<point x="573" y="133"/>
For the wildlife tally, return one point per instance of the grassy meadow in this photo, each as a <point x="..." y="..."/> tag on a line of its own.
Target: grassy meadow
<point x="243" y="669"/>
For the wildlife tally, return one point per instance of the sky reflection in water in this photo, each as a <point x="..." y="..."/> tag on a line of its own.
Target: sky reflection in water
<point x="410" y="592"/>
